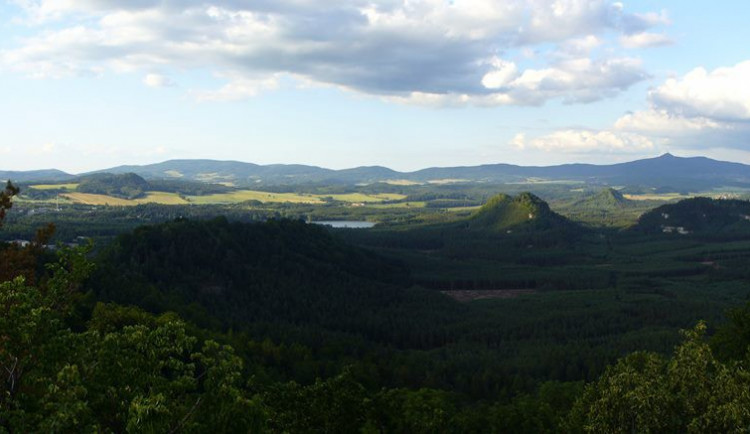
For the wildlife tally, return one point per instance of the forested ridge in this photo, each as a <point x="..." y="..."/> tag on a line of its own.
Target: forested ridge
<point x="132" y="186"/>
<point x="282" y="326"/>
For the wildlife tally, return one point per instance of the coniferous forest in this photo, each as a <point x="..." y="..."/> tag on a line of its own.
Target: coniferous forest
<point x="217" y="324"/>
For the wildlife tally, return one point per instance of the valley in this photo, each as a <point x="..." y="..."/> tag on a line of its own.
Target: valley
<point x="493" y="299"/>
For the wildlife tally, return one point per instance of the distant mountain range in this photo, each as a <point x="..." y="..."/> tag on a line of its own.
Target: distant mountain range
<point x="35" y="175"/>
<point x="667" y="171"/>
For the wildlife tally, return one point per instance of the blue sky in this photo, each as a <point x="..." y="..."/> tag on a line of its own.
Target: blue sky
<point x="89" y="84"/>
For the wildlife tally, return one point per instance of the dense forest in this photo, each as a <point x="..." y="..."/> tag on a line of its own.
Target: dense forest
<point x="275" y="325"/>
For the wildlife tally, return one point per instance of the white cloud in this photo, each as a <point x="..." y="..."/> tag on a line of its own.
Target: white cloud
<point x="518" y="141"/>
<point x="157" y="80"/>
<point x="576" y="80"/>
<point x="560" y="20"/>
<point x="664" y="123"/>
<point x="400" y="50"/>
<point x="722" y="94"/>
<point x="585" y="141"/>
<point x="238" y="87"/>
<point x="645" y="39"/>
<point x="502" y="73"/>
<point x="700" y="110"/>
<point x="580" y="46"/>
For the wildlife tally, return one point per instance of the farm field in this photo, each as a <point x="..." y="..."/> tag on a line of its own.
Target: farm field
<point x="361" y="197"/>
<point x="264" y="196"/>
<point x="68" y="186"/>
<point x="166" y="198"/>
<point x="663" y="197"/>
<point x="261" y="196"/>
<point x="101" y="199"/>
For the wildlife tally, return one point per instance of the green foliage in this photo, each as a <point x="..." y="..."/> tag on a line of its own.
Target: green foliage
<point x="128" y="372"/>
<point x="732" y="340"/>
<point x="524" y="211"/>
<point x="32" y="324"/>
<point x="126" y="186"/>
<point x="645" y="393"/>
<point x="187" y="188"/>
<point x="542" y="412"/>
<point x="605" y="208"/>
<point x="241" y="273"/>
<point x="416" y="411"/>
<point x="146" y="376"/>
<point x="336" y="405"/>
<point x="700" y="215"/>
<point x="292" y="329"/>
<point x="6" y="199"/>
<point x="610" y="198"/>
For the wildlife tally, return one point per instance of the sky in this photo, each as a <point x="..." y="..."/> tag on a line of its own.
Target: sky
<point x="409" y="84"/>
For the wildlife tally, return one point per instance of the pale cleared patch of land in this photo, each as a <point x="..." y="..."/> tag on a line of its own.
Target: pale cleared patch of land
<point x="463" y="208"/>
<point x="96" y="199"/>
<point x="261" y="196"/>
<point x="173" y="173"/>
<point x="264" y="196"/>
<point x="663" y="196"/>
<point x="546" y="181"/>
<point x="163" y="198"/>
<point x="446" y="181"/>
<point x="68" y="186"/>
<point x="397" y="205"/>
<point x="214" y="177"/>
<point x="239" y="196"/>
<point x="365" y="198"/>
<point x="401" y="182"/>
<point x="717" y="194"/>
<point x="101" y="199"/>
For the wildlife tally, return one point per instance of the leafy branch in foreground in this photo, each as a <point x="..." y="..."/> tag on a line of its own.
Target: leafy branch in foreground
<point x="6" y="199"/>
<point x="691" y="392"/>
<point x="128" y="371"/>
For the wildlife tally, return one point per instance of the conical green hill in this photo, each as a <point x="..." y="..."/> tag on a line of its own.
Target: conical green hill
<point x="502" y="212"/>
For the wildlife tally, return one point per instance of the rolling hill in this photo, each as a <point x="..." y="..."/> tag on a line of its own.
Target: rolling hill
<point x="700" y="215"/>
<point x="666" y="172"/>
<point x="125" y="186"/>
<point x="525" y="211"/>
<point x="608" y="207"/>
<point x="232" y="274"/>
<point x="609" y="198"/>
<point x="52" y="175"/>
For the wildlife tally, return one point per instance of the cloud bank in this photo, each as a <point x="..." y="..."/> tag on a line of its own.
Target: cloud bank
<point x="701" y="109"/>
<point x="413" y="51"/>
<point x="585" y="141"/>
